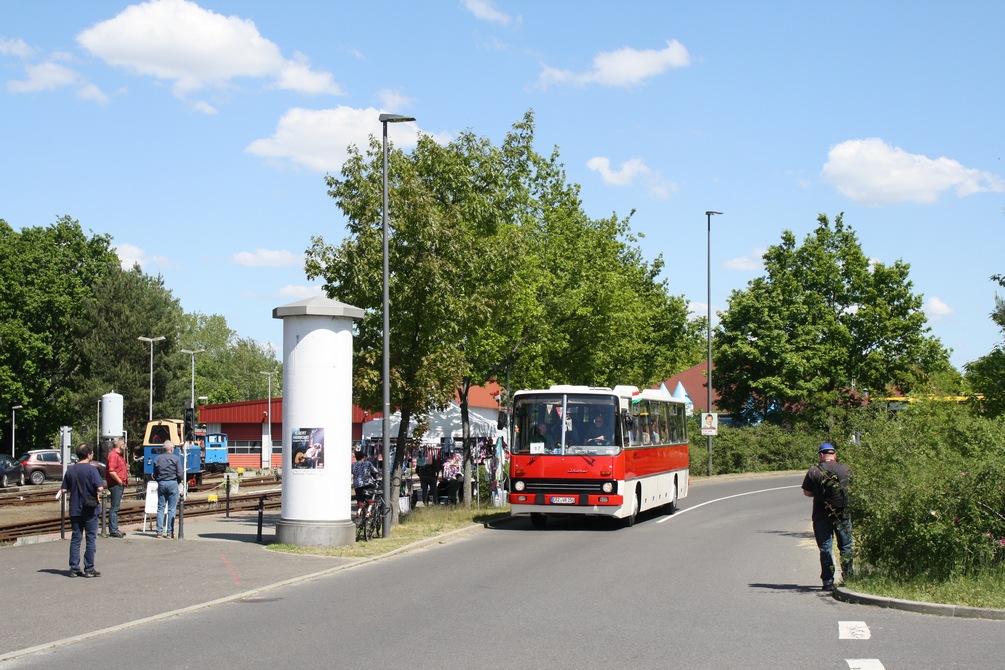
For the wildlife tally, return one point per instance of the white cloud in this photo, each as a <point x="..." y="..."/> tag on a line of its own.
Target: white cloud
<point x="318" y="139"/>
<point x="273" y="258"/>
<point x="631" y="171"/>
<point x="129" y="255"/>
<point x="935" y="307"/>
<point x="486" y="10"/>
<point x="875" y="173"/>
<point x="393" y="100"/>
<point x="299" y="292"/>
<point x="752" y="262"/>
<point x="9" y="47"/>
<point x="50" y="76"/>
<point x="176" y="40"/>
<point x="625" y="176"/>
<point x="624" y="67"/>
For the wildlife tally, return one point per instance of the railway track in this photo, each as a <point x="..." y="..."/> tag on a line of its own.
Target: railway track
<point x="39" y="495"/>
<point x="133" y="512"/>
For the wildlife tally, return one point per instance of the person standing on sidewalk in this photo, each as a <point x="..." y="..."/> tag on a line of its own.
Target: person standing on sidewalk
<point x="827" y="483"/>
<point x="116" y="478"/>
<point x="167" y="472"/>
<point x="83" y="482"/>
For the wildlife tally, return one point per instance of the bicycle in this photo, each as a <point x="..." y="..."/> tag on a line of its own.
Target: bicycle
<point x="370" y="513"/>
<point x="379" y="512"/>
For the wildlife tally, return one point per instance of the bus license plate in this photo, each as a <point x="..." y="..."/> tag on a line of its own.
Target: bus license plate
<point x="563" y="500"/>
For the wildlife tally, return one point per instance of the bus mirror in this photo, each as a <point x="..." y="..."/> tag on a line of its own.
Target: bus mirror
<point x="628" y="418"/>
<point x="501" y="423"/>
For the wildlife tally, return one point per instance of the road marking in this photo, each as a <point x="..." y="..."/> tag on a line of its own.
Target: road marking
<point x="853" y="630"/>
<point x="864" y="664"/>
<point x="709" y="502"/>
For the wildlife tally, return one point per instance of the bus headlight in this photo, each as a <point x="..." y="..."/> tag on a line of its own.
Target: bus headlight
<point x="608" y="487"/>
<point x="518" y="486"/>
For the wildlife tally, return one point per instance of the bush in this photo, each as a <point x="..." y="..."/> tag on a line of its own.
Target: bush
<point x="930" y="493"/>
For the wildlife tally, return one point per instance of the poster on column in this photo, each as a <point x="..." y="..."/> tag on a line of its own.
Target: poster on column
<point x="308" y="448"/>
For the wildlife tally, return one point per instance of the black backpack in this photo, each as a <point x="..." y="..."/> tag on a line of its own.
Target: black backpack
<point x="833" y="490"/>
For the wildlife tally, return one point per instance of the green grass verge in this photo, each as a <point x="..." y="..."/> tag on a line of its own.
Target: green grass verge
<point x="986" y="590"/>
<point x="420" y="524"/>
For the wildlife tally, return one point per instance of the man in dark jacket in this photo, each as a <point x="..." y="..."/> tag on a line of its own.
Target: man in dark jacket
<point x="167" y="472"/>
<point x="83" y="482"/>
<point x="827" y="483"/>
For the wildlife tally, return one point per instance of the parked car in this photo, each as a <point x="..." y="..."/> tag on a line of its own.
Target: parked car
<point x="42" y="464"/>
<point x="10" y="471"/>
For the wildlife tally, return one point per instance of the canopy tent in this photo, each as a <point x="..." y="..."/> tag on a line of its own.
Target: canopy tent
<point x="482" y="423"/>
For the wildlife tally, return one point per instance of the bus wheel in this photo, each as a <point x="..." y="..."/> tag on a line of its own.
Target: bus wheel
<point x="538" y="520"/>
<point x="672" y="505"/>
<point x="630" y="519"/>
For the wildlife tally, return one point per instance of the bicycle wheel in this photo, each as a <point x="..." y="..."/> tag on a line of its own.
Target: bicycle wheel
<point x="368" y="522"/>
<point x="360" y="524"/>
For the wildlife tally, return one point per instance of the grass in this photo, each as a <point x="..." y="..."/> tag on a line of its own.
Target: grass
<point x="986" y="590"/>
<point x="420" y="524"/>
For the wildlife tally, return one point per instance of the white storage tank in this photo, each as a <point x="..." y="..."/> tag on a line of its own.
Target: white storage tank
<point x="111" y="415"/>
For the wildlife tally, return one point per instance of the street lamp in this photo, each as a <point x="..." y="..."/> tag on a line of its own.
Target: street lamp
<point x="269" y="413"/>
<point x="708" y="266"/>
<point x="193" y="352"/>
<point x="151" y="340"/>
<point x="13" y="427"/>
<point x="385" y="430"/>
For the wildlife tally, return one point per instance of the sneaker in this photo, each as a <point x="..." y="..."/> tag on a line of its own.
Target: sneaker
<point x="75" y="573"/>
<point x="90" y="573"/>
<point x="828" y="586"/>
<point x="116" y="533"/>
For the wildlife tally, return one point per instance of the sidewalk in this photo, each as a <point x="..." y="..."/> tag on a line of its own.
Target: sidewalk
<point x="141" y="577"/>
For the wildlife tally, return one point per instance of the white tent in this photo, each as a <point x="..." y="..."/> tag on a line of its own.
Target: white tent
<point x="482" y="423"/>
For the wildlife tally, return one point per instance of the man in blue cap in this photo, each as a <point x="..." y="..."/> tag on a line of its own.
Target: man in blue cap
<point x="827" y="483"/>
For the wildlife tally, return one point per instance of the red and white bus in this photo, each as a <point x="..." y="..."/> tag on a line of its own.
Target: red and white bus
<point x="597" y="451"/>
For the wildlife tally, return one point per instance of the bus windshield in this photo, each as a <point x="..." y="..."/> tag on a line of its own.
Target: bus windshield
<point x="556" y="423"/>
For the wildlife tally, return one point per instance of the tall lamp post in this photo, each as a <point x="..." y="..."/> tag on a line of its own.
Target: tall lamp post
<point x="269" y="413"/>
<point x="13" y="428"/>
<point x="708" y="266"/>
<point x="385" y="429"/>
<point x="151" y="340"/>
<point x="193" y="352"/>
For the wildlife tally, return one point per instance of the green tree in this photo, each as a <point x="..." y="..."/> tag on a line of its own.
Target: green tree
<point x="46" y="275"/>
<point x="987" y="374"/>
<point x="494" y="267"/>
<point x="823" y="323"/>
<point x="125" y="305"/>
<point x="230" y="369"/>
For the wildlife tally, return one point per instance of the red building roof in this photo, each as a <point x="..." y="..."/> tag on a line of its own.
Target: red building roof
<point x="695" y="383"/>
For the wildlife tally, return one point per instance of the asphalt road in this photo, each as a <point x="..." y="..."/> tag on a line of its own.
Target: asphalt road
<point x="730" y="581"/>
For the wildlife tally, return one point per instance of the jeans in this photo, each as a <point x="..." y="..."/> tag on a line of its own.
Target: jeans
<point x="167" y="499"/>
<point x="87" y="528"/>
<point x="824" y="529"/>
<point x="113" y="506"/>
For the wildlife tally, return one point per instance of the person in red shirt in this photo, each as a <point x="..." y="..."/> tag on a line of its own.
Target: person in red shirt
<point x="116" y="477"/>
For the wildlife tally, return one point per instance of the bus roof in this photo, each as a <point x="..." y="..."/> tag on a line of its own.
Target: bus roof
<point x="623" y="391"/>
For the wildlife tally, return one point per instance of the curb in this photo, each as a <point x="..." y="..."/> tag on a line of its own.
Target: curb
<point x="958" y="611"/>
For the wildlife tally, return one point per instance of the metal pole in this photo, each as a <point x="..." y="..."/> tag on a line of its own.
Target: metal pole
<point x="13" y="428"/>
<point x="708" y="266"/>
<point x="386" y="370"/>
<point x="268" y="413"/>
<point x="151" y="340"/>
<point x="150" y="414"/>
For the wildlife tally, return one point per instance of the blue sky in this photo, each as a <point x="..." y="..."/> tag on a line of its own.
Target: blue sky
<point x="198" y="134"/>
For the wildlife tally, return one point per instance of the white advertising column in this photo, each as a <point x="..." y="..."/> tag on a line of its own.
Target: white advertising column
<point x="317" y="422"/>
